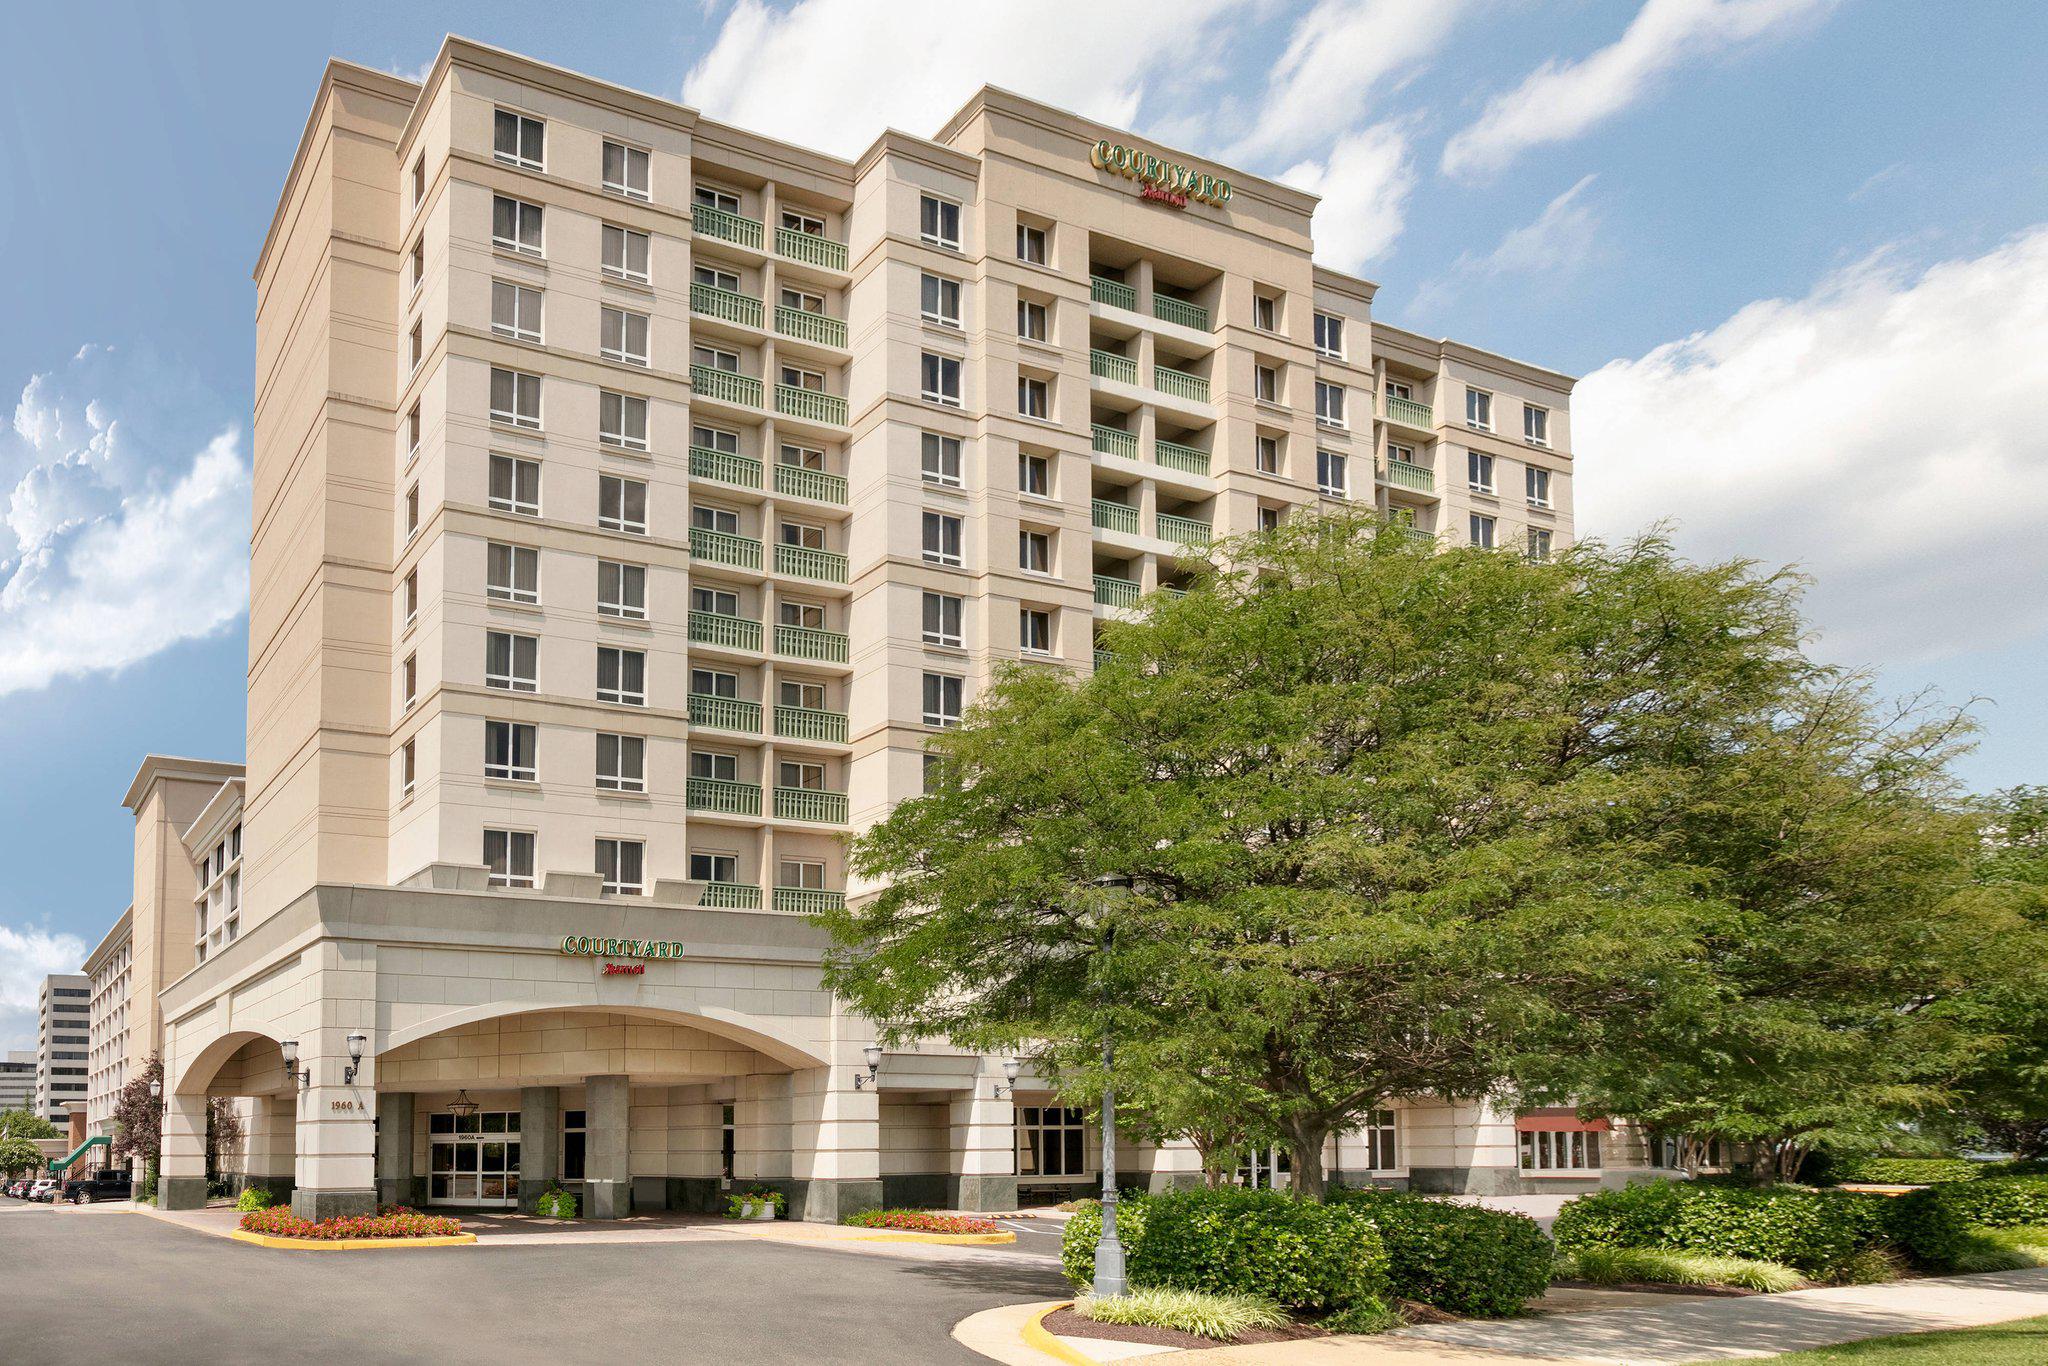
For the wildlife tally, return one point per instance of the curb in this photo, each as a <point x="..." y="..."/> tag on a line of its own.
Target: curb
<point x="350" y="1244"/>
<point x="1039" y="1339"/>
<point x="948" y="1239"/>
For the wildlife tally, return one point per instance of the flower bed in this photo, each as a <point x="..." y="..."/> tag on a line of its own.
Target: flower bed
<point x="919" y="1221"/>
<point x="395" y="1222"/>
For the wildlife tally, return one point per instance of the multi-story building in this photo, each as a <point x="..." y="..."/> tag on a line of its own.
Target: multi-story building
<point x="111" y="968"/>
<point x="63" y="1019"/>
<point x="635" y="496"/>
<point x="18" y="1082"/>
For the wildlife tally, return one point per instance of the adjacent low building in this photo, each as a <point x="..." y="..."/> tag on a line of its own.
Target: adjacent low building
<point x="18" y="1082"/>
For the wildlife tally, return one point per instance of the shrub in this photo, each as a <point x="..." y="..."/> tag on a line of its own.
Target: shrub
<point x="555" y="1203"/>
<point x="1211" y="1316"/>
<point x="1811" y="1230"/>
<point x="1662" y="1266"/>
<point x="279" y="1222"/>
<point x="920" y="1221"/>
<point x="254" y="1198"/>
<point x="1460" y="1258"/>
<point x="1905" y="1171"/>
<point x="747" y="1204"/>
<point x="1871" y="1266"/>
<point x="1941" y="1226"/>
<point x="1297" y="1253"/>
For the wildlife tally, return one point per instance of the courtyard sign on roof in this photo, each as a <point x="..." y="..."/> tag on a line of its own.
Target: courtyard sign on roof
<point x="587" y="946"/>
<point x="1164" y="180"/>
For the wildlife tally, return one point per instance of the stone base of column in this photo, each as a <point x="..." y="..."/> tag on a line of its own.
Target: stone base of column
<point x="650" y="1192"/>
<point x="607" y="1199"/>
<point x="695" y="1194"/>
<point x="181" y="1192"/>
<point x="826" y="1202"/>
<point x="309" y="1203"/>
<point x="1466" y="1180"/>
<point x="985" y="1194"/>
<point x="279" y="1187"/>
<point x="1158" y="1183"/>
<point x="1367" y="1181"/>
<point x="410" y="1191"/>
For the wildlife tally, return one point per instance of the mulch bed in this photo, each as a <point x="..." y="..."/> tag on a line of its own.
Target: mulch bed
<point x="1067" y="1323"/>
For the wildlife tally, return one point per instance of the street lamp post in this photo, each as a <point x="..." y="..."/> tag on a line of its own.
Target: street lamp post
<point x="1109" y="1250"/>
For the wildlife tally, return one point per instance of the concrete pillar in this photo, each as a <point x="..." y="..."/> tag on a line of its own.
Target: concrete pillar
<point x="396" y="1180"/>
<point x="761" y="1129"/>
<point x="181" y="1161"/>
<point x="982" y="1149"/>
<point x="540" y="1142"/>
<point x="835" y="1145"/>
<point x="273" y="1142"/>
<point x="607" y="1105"/>
<point x="335" y="1174"/>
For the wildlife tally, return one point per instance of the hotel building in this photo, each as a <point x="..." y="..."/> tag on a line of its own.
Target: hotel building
<point x="62" y="1042"/>
<point x="634" y="497"/>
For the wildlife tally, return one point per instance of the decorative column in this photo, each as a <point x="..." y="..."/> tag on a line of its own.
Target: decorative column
<point x="273" y="1142"/>
<point x="336" y="1174"/>
<point x="181" y="1159"/>
<point x="982" y="1149"/>
<point x="835" y="1144"/>
<point x="540" y="1142"/>
<point x="607" y="1190"/>
<point x="395" y="1123"/>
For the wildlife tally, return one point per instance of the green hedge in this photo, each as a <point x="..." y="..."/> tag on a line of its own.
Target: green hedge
<point x="1937" y="1225"/>
<point x="1460" y="1258"/>
<point x="1905" y="1171"/>
<point x="1814" y="1231"/>
<point x="1297" y="1253"/>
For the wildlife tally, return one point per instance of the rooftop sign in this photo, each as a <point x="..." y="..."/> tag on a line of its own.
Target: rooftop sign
<point x="1163" y="180"/>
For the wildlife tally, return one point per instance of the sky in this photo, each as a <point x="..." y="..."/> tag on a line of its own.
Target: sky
<point x="1797" y="250"/>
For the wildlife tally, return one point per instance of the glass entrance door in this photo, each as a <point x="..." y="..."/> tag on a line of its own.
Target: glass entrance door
<point x="473" y="1159"/>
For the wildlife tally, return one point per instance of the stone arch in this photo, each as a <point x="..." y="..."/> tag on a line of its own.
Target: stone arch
<point x="726" y="1024"/>
<point x="197" y="1077"/>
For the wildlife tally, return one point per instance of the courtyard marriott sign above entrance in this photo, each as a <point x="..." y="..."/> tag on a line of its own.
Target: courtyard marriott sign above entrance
<point x="1168" y="181"/>
<point x="586" y="946"/>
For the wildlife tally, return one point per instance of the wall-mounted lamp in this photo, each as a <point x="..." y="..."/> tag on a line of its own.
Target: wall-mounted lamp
<point x="290" y="1049"/>
<point x="356" y="1040"/>
<point x="156" y="1089"/>
<point x="1009" y="1081"/>
<point x="873" y="1054"/>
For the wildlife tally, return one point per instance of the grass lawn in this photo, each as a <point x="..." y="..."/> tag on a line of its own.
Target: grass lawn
<point x="2023" y="1342"/>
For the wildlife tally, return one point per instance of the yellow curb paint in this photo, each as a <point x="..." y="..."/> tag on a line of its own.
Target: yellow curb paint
<point x="1038" y="1339"/>
<point x="950" y="1239"/>
<point x="349" y="1244"/>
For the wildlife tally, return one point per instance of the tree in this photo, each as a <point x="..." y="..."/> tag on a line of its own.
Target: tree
<point x="26" y="1123"/>
<point x="1397" y="823"/>
<point x="19" y="1155"/>
<point x="139" y="1116"/>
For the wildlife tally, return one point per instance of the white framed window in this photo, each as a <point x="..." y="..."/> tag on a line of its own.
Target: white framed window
<point x="515" y="311"/>
<point x="419" y="180"/>
<point x="1034" y="551"/>
<point x="512" y="572"/>
<point x="621" y="420"/>
<point x="802" y="300"/>
<point x="932" y="773"/>
<point x="1479" y="409"/>
<point x="938" y="221"/>
<point x="412" y="431"/>
<point x="1034" y="397"/>
<point x="621" y="675"/>
<point x="795" y="612"/>
<point x="1266" y="453"/>
<point x="509" y="750"/>
<point x="417" y="261"/>
<point x="409" y="596"/>
<point x="622" y="504"/>
<point x="1536" y="483"/>
<point x="941" y="459"/>
<point x="1265" y="312"/>
<point x="797" y="377"/>
<point x="722" y="602"/>
<point x="622" y="863"/>
<point x="415" y="346"/>
<point x="1052" y="1140"/>
<point x="1034" y="630"/>
<point x="518" y="140"/>
<point x="942" y="619"/>
<point x="1479" y="472"/>
<point x="1539" y="543"/>
<point x="625" y="254"/>
<point x="1330" y="334"/>
<point x="714" y="764"/>
<point x="621" y="763"/>
<point x="1535" y="425"/>
<point x="801" y="693"/>
<point x="716" y="277"/>
<point x="409" y="681"/>
<point x="1398" y="389"/>
<point x="511" y="661"/>
<point x="942" y="538"/>
<point x="622" y="590"/>
<point x="715" y="358"/>
<point x="805" y="873"/>
<point x="709" y="867"/>
<point x="515" y="485"/>
<point x="800" y="457"/>
<point x="1266" y="383"/>
<point x="1034" y="474"/>
<point x="711" y="197"/>
<point x="1269" y="517"/>
<point x="1481" y="529"/>
<point x="714" y="683"/>
<point x="408" y="769"/>
<point x="939" y="379"/>
<point x="1333" y="474"/>
<point x="709" y="517"/>
<point x="1330" y="405"/>
<point x="807" y="223"/>
<point x="412" y="513"/>
<point x="509" y="856"/>
<point x="938" y="299"/>
<point x="717" y="439"/>
<point x="622" y="335"/>
<point x="1031" y="244"/>
<point x="515" y="398"/>
<point x="1382" y="1143"/>
<point x="804" y="535"/>
<point x="942" y="699"/>
<point x="626" y="170"/>
<point x="516" y="225"/>
<point x="1031" y="320"/>
<point x="1554" y="1151"/>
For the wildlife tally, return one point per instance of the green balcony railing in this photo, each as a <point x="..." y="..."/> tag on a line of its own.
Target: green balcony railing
<point x="1409" y="412"/>
<point x="726" y="226"/>
<point x="810" y="249"/>
<point x="810" y="804"/>
<point x="1180" y="384"/>
<point x="1418" y="535"/>
<point x="799" y="482"/>
<point x="808" y="900"/>
<point x="808" y="723"/>
<point x="722" y="796"/>
<point x="1107" y="365"/>
<point x="1184" y="530"/>
<point x="1174" y="456"/>
<point x="731" y="896"/>
<point x="725" y="305"/>
<point x="1168" y="309"/>
<point x="1114" y="441"/>
<point x="725" y="713"/>
<point x="1115" y="592"/>
<point x="722" y="547"/>
<point x="725" y="386"/>
<point x="1404" y="474"/>
<point x="808" y="642"/>
<point x="1115" y="517"/>
<point x="811" y="327"/>
<point x="826" y="566"/>
<point x="741" y="471"/>
<point x="1172" y="591"/>
<point x="1102" y="656"/>
<point x="810" y="405"/>
<point x="1112" y="293"/>
<point x="732" y="633"/>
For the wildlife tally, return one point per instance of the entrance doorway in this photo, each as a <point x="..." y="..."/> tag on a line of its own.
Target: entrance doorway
<point x="473" y="1159"/>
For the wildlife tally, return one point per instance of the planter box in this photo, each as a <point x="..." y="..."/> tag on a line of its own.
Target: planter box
<point x="757" y="1209"/>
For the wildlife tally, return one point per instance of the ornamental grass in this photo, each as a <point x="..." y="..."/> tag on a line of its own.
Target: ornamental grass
<point x="1221" y="1317"/>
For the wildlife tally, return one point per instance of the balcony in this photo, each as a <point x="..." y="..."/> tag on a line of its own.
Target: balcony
<point x="1409" y="413"/>
<point x="1404" y="474"/>
<point x="731" y="633"/>
<point x="808" y="723"/>
<point x="808" y="642"/>
<point x="1113" y="441"/>
<point x="826" y="566"/>
<point x="1174" y="456"/>
<point x="1115" y="592"/>
<point x="722" y="796"/>
<point x="1419" y="536"/>
<point x="1112" y="293"/>
<point x="810" y="327"/>
<point x="725" y="713"/>
<point x="1168" y="309"/>
<point x="810" y="804"/>
<point x="1102" y="656"/>
<point x="725" y="226"/>
<point x="1182" y="530"/>
<point x="1106" y="365"/>
<point x="808" y="900"/>
<point x="724" y="467"/>
<point x="1180" y="384"/>
<point x="1109" y="516"/>
<point x="810" y="249"/>
<point x="796" y="481"/>
<point x="810" y="405"/>
<point x="722" y="547"/>
<point x="725" y="386"/>
<point x="731" y="896"/>
<point x="725" y="305"/>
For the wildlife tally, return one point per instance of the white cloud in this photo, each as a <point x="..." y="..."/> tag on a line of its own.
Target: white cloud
<point x="1364" y="184"/>
<point x="1883" y="432"/>
<point x="26" y="957"/>
<point x="1560" y="100"/>
<point x="1555" y="244"/>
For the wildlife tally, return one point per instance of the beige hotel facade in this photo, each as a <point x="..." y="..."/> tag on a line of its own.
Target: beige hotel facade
<point x="634" y="497"/>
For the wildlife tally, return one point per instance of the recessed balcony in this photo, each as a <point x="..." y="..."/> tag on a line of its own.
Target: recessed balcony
<point x="724" y="632"/>
<point x="725" y="305"/>
<point x="722" y="796"/>
<point x="808" y="900"/>
<point x="726" y="386"/>
<point x="797" y="481"/>
<point x="1409" y="413"/>
<point x="1180" y="312"/>
<point x="808" y="642"/>
<point x="725" y="467"/>
<point x="1111" y="591"/>
<point x="1180" y="384"/>
<point x="726" y="226"/>
<point x="810" y="249"/>
<point x="808" y="723"/>
<point x="811" y="405"/>
<point x="1113" y="441"/>
<point x="1173" y="455"/>
<point x="800" y="561"/>
<point x="1405" y="474"/>
<point x="1108" y="365"/>
<point x="725" y="713"/>
<point x="810" y="804"/>
<point x="731" y="896"/>
<point x="722" y="547"/>
<point x="1112" y="293"/>
<point x="1108" y="516"/>
<point x="1182" y="530"/>
<point x="816" y="328"/>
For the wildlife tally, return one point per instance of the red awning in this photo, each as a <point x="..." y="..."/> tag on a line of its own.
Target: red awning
<point x="1558" y="1120"/>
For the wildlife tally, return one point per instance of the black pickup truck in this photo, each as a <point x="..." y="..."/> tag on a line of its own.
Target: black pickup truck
<point x="101" y="1185"/>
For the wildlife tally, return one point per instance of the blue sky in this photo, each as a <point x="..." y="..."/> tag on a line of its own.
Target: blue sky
<point x="1799" y="249"/>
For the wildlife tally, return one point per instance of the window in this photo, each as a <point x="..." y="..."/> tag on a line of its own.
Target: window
<point x="800" y="693"/>
<point x="509" y="855"/>
<point x="1034" y="630"/>
<point x="1266" y="454"/>
<point x="938" y="222"/>
<point x="705" y="517"/>
<point x="1539" y="543"/>
<point x="512" y="573"/>
<point x="1382" y="1154"/>
<point x="620" y="862"/>
<point x="622" y="420"/>
<point x="808" y="874"/>
<point x="517" y="140"/>
<point x="1396" y="389"/>
<point x="515" y="485"/>
<point x="408" y="768"/>
<point x="1034" y="474"/>
<point x="1031" y="323"/>
<point x="412" y="512"/>
<point x="1269" y="518"/>
<point x="721" y="602"/>
<point x="1537" y="483"/>
<point x="574" y="1139"/>
<point x="1034" y="397"/>
<point x="801" y="457"/>
<point x="1031" y="244"/>
<point x="710" y="763"/>
<point x="938" y="299"/>
<point x="1479" y="471"/>
<point x="621" y="504"/>
<point x="1051" y="1141"/>
<point x="415" y="347"/>
<point x="1266" y="383"/>
<point x="803" y="222"/>
<point x="1549" y="1151"/>
<point x="712" y="358"/>
<point x="412" y="431"/>
<point x="625" y="254"/>
<point x="621" y="763"/>
<point x="1034" y="551"/>
<point x="621" y="676"/>
<point x="803" y="535"/>
<point x="1482" y="531"/>
<point x="409" y="681"/>
<point x="411" y="597"/>
<point x="716" y="439"/>
<point x="515" y="225"/>
<point x="515" y="311"/>
<point x="510" y="661"/>
<point x="1535" y="425"/>
<point x="802" y="300"/>
<point x="714" y="868"/>
<point x="941" y="538"/>
<point x="419" y="180"/>
<point x="1330" y="404"/>
<point x="942" y="614"/>
<point x="1333" y="474"/>
<point x="942" y="694"/>
<point x="941" y="459"/>
<point x="714" y="683"/>
<point x="713" y="198"/>
<point x="508" y="750"/>
<point x="1266" y="313"/>
<point x="625" y="170"/>
<point x="940" y="382"/>
<point x="622" y="590"/>
<point x="515" y="398"/>
<point x="1329" y="334"/>
<point x="622" y="335"/>
<point x="796" y="377"/>
<point x="1479" y="409"/>
<point x="417" y="260"/>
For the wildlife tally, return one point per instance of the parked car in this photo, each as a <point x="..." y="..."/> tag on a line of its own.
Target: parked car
<point x="101" y="1185"/>
<point x="45" y="1188"/>
<point x="18" y="1188"/>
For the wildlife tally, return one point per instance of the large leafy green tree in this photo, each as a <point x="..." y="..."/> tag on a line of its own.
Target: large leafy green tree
<point x="26" y="1123"/>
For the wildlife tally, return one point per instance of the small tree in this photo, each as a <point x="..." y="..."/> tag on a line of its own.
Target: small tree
<point x="139" y="1116"/>
<point x="19" y="1156"/>
<point x="26" y="1123"/>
